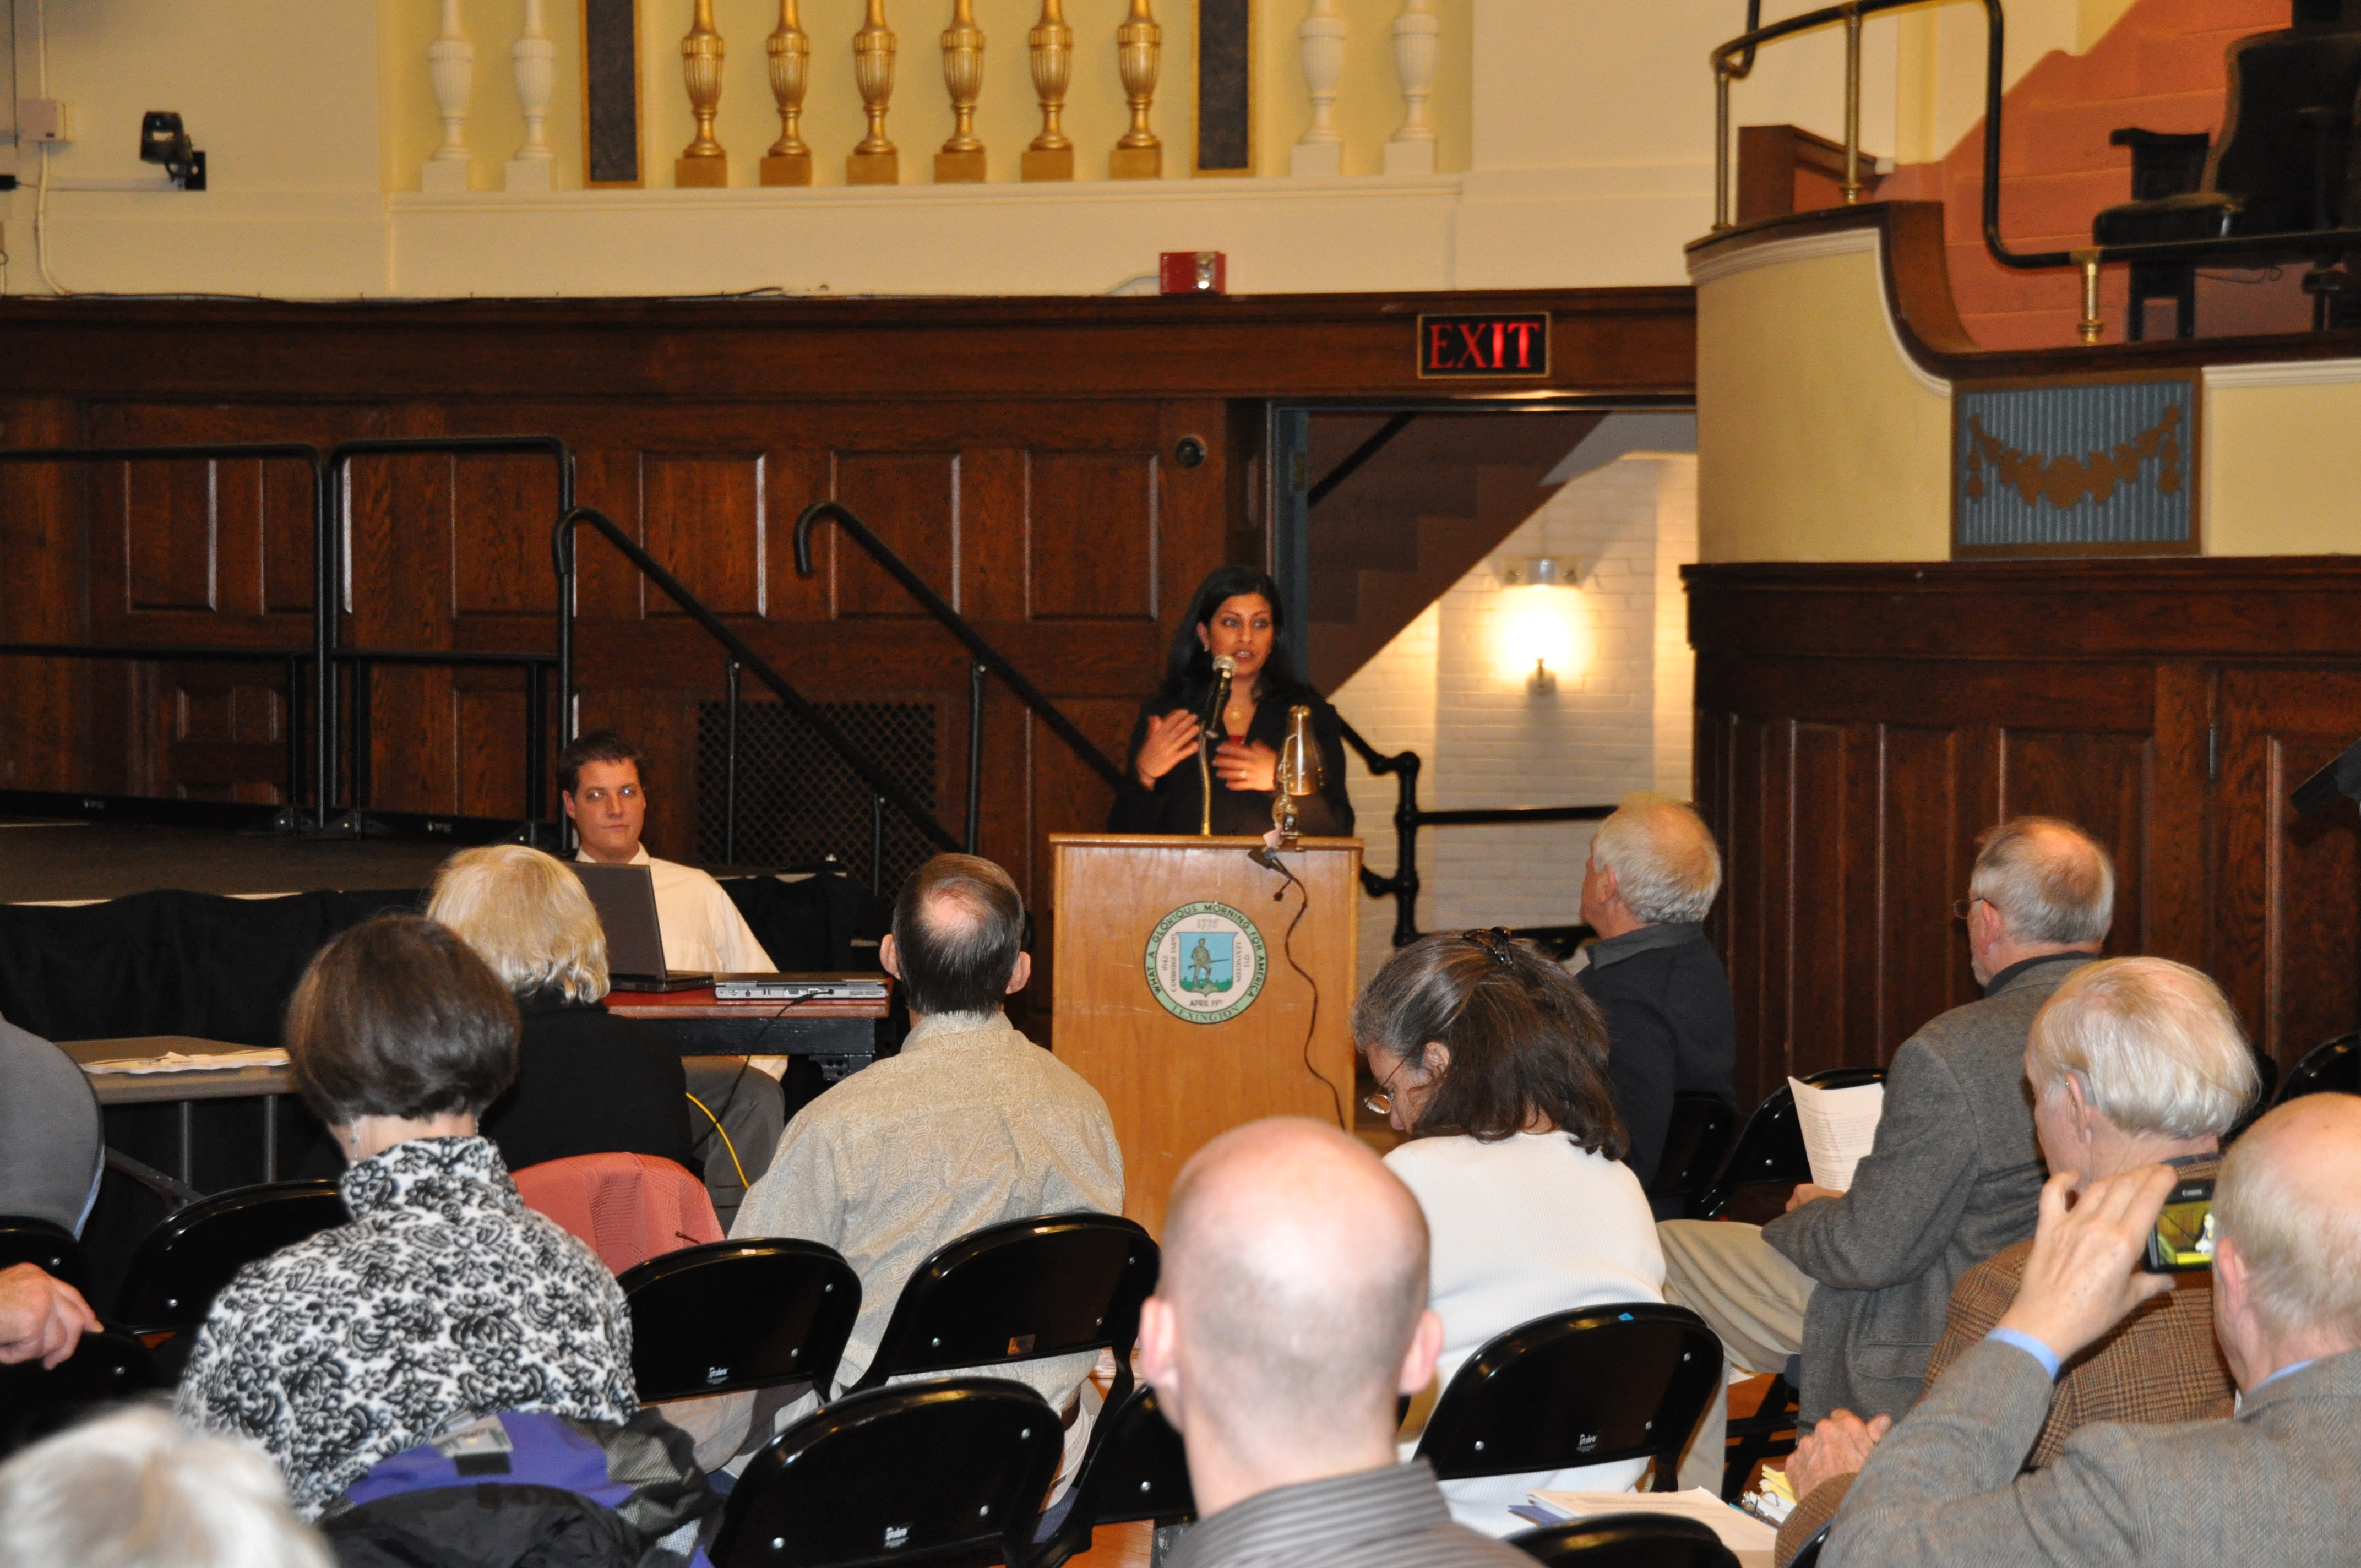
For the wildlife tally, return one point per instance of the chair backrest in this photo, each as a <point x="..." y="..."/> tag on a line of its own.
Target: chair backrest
<point x="917" y="1474"/>
<point x="628" y="1207"/>
<point x="2332" y="1065"/>
<point x="1581" y="1387"/>
<point x="1627" y="1541"/>
<point x="1696" y="1141"/>
<point x="183" y="1263"/>
<point x="48" y="1246"/>
<point x="35" y="1401"/>
<point x="2289" y="96"/>
<point x="1019" y="1291"/>
<point x="1769" y="1147"/>
<point x="1137" y="1468"/>
<point x="727" y="1316"/>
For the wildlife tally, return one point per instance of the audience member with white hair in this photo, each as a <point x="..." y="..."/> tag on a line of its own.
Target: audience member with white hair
<point x="1859" y="1282"/>
<point x="2275" y="1484"/>
<point x="588" y="1082"/>
<point x="1289" y="1315"/>
<point x="2132" y="1062"/>
<point x="136" y="1489"/>
<point x="1650" y="880"/>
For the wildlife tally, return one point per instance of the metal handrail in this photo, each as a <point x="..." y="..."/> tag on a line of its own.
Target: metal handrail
<point x="882" y="786"/>
<point x="958" y="626"/>
<point x="1402" y="887"/>
<point x="1732" y="61"/>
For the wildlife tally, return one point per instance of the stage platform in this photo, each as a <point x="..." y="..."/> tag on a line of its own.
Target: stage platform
<point x="51" y="861"/>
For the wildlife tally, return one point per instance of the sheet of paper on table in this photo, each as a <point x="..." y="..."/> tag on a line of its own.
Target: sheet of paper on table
<point x="1739" y="1531"/>
<point x="194" y="1061"/>
<point x="1838" y="1126"/>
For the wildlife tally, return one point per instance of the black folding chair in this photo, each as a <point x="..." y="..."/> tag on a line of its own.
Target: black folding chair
<point x="37" y="1401"/>
<point x="1697" y="1142"/>
<point x="734" y="1315"/>
<point x="1580" y="1387"/>
<point x="1020" y="1291"/>
<point x="51" y="1248"/>
<point x="1627" y="1541"/>
<point x="1770" y="1149"/>
<point x="948" y="1471"/>
<point x="2333" y="1066"/>
<point x="1137" y="1468"/>
<point x="183" y="1263"/>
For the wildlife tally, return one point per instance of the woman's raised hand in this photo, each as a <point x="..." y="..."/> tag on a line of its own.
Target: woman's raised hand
<point x="1247" y="764"/>
<point x="1171" y="738"/>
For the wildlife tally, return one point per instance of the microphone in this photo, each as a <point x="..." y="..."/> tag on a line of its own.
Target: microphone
<point x="1219" y="698"/>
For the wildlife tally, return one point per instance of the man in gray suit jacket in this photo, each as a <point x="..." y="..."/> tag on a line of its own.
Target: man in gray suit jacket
<point x="1858" y="1282"/>
<point x="2275" y="1484"/>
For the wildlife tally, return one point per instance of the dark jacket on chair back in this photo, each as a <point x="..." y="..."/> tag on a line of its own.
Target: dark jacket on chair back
<point x="588" y="1082"/>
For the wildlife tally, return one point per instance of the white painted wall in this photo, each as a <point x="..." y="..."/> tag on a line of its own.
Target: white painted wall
<point x="1449" y="689"/>
<point x="1577" y="150"/>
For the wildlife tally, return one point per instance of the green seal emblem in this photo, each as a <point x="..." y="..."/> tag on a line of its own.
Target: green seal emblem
<point x="1205" y="962"/>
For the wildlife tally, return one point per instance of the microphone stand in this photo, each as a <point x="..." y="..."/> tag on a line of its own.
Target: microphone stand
<point x="1215" y="702"/>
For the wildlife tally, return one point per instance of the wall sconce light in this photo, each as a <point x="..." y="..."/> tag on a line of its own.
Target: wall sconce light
<point x="1541" y="639"/>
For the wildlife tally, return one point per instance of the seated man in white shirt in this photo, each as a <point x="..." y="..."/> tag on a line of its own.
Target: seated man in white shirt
<point x="971" y="1124"/>
<point x="599" y="779"/>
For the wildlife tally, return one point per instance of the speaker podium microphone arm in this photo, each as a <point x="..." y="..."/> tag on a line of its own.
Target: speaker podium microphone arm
<point x="1209" y="726"/>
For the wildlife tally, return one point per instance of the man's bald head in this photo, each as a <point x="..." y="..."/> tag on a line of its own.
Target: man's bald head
<point x="2288" y="1201"/>
<point x="958" y="925"/>
<point x="1295" y="1265"/>
<point x="2050" y="881"/>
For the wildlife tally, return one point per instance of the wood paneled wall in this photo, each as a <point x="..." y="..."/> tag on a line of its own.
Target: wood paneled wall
<point x="1858" y="727"/>
<point x="1019" y="454"/>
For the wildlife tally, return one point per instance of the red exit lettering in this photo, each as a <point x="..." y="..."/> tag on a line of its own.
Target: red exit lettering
<point x="1484" y="345"/>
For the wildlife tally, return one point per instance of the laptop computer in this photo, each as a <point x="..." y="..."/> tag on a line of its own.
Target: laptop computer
<point x="809" y="987"/>
<point x="625" y="897"/>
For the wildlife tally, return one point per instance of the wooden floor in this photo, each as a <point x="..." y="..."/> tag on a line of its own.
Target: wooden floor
<point x="1118" y="1546"/>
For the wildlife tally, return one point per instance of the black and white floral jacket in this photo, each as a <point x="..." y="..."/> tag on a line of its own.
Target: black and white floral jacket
<point x="445" y="1300"/>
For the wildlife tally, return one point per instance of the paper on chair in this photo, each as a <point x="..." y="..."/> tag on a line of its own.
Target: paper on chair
<point x="1838" y="1126"/>
<point x="179" y="1061"/>
<point x="1738" y="1530"/>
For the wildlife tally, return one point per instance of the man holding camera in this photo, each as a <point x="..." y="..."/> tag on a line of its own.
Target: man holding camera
<point x="2274" y="1485"/>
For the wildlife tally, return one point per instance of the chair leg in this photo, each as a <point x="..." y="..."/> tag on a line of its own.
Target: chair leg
<point x="1759" y="1437"/>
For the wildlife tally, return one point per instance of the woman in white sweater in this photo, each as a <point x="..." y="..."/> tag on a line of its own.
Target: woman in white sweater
<point x="1493" y="1062"/>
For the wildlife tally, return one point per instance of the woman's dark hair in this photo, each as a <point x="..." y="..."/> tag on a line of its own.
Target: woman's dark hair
<point x="1189" y="665"/>
<point x="399" y="1018"/>
<point x="1526" y="1042"/>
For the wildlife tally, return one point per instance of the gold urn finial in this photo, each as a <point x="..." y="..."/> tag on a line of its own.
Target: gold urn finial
<point x="789" y="46"/>
<point x="703" y="161"/>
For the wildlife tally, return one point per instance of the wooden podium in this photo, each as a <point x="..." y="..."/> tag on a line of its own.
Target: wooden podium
<point x="1215" y="1036"/>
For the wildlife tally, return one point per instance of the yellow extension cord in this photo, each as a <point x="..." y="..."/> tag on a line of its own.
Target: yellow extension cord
<point x="726" y="1144"/>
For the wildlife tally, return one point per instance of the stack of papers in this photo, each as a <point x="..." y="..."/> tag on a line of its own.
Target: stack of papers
<point x="1838" y="1126"/>
<point x="204" y="1062"/>
<point x="1739" y="1531"/>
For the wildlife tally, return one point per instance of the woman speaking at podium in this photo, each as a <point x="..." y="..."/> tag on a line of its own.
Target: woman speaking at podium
<point x="1208" y="725"/>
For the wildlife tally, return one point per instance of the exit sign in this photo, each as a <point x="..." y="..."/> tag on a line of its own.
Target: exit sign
<point x="1485" y="345"/>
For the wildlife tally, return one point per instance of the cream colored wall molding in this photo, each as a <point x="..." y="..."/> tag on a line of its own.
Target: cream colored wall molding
<point x="2287" y="373"/>
<point x="1814" y="247"/>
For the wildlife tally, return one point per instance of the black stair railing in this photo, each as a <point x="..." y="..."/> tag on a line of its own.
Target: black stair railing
<point x="1402" y="887"/>
<point x="883" y="788"/>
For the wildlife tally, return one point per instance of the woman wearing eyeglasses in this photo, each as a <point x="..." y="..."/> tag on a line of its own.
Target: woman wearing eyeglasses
<point x="1492" y="1062"/>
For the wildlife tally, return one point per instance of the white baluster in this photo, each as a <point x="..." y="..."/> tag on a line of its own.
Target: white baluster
<point x="451" y="62"/>
<point x="1418" y="40"/>
<point x="535" y="58"/>
<point x="1321" y="149"/>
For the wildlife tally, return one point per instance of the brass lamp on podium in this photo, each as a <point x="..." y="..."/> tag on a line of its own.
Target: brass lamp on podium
<point x="1300" y="775"/>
